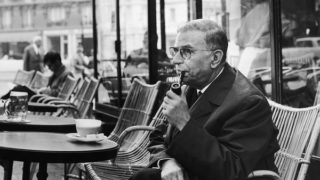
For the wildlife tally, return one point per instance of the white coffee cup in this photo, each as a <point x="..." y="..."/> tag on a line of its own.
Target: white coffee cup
<point x="87" y="126"/>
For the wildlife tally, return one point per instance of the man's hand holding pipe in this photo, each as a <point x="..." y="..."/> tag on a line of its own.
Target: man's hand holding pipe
<point x="176" y="108"/>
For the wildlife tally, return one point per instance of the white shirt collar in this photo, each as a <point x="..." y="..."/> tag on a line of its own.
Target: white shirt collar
<point x="36" y="49"/>
<point x="206" y="87"/>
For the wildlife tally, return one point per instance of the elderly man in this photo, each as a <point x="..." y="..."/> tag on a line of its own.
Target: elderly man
<point x="32" y="56"/>
<point x="225" y="133"/>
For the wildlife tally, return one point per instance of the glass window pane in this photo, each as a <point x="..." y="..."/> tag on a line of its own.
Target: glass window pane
<point x="300" y="34"/>
<point x="246" y="23"/>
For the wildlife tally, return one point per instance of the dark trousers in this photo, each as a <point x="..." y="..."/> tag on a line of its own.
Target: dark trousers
<point x="147" y="174"/>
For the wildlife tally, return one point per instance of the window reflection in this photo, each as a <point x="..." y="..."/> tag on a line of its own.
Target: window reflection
<point x="249" y="44"/>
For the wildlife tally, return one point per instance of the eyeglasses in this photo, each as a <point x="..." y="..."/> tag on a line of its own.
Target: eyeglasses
<point x="185" y="53"/>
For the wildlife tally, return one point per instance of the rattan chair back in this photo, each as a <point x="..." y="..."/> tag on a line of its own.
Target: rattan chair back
<point x="39" y="80"/>
<point x="86" y="96"/>
<point x="23" y="77"/>
<point x="298" y="132"/>
<point x="132" y="156"/>
<point x="67" y="89"/>
<point x="317" y="96"/>
<point x="306" y="60"/>
<point x="137" y="107"/>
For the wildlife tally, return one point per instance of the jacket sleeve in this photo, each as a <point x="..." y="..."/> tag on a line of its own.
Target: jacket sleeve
<point x="231" y="151"/>
<point x="157" y="146"/>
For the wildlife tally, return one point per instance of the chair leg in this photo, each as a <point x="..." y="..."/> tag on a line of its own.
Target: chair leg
<point x="68" y="169"/>
<point x="66" y="172"/>
<point x="80" y="174"/>
<point x="7" y="167"/>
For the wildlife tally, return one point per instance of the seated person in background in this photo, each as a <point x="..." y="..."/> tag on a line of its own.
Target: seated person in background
<point x="138" y="60"/>
<point x="79" y="63"/>
<point x="59" y="73"/>
<point x="224" y="134"/>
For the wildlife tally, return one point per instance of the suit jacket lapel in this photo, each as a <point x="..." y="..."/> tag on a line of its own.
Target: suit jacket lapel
<point x="214" y="95"/>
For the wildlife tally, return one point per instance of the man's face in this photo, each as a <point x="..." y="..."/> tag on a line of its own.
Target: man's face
<point x="52" y="66"/>
<point x="197" y="68"/>
<point x="80" y="49"/>
<point x="38" y="43"/>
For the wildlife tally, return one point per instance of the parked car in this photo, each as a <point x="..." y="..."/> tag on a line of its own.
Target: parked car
<point x="302" y="47"/>
<point x="307" y="42"/>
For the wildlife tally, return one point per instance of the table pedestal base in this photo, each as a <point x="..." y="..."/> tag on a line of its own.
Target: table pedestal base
<point x="26" y="171"/>
<point x="42" y="173"/>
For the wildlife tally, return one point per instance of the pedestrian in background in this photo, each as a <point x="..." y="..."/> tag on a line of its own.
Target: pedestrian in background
<point x="33" y="56"/>
<point x="79" y="63"/>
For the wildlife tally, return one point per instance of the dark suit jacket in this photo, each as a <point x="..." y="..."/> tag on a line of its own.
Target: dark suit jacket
<point x="230" y="132"/>
<point x="31" y="60"/>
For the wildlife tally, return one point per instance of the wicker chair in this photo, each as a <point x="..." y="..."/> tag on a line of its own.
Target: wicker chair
<point x="81" y="105"/>
<point x="306" y="60"/>
<point x="298" y="132"/>
<point x="38" y="81"/>
<point x="137" y="110"/>
<point x="111" y="85"/>
<point x="23" y="78"/>
<point x="132" y="155"/>
<point x="67" y="89"/>
<point x="77" y="107"/>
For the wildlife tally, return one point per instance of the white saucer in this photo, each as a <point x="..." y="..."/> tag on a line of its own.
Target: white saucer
<point x="89" y="138"/>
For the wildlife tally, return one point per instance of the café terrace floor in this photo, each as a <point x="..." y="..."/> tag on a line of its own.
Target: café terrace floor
<point x="55" y="171"/>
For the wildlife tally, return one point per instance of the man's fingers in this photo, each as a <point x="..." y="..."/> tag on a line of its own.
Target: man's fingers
<point x="173" y="175"/>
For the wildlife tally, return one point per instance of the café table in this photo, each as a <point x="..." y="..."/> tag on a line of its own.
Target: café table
<point x="46" y="148"/>
<point x="40" y="123"/>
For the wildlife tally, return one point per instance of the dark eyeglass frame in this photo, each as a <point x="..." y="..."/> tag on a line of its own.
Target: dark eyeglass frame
<point x="185" y="52"/>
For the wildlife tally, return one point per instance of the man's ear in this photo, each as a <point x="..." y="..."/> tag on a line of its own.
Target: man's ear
<point x="216" y="58"/>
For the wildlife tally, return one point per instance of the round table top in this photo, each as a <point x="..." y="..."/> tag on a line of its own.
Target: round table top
<point x="53" y="148"/>
<point x="40" y="123"/>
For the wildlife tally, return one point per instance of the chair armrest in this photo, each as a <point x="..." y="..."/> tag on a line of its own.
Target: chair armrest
<point x="264" y="173"/>
<point x="60" y="102"/>
<point x="73" y="108"/>
<point x="39" y="107"/>
<point x="36" y="97"/>
<point x="91" y="174"/>
<point x="131" y="129"/>
<point x="50" y="98"/>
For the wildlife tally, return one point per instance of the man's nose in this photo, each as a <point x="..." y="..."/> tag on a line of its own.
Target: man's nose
<point x="177" y="59"/>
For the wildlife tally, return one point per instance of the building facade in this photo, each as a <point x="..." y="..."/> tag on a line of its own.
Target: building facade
<point x="61" y="23"/>
<point x="65" y="23"/>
